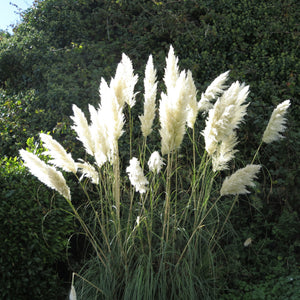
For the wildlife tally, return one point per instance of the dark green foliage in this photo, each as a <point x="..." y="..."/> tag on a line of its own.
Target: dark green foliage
<point x="19" y="120"/>
<point x="34" y="234"/>
<point x="269" y="267"/>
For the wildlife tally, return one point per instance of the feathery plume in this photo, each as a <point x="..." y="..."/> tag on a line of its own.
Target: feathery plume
<point x="173" y="115"/>
<point x="155" y="162"/>
<point x="248" y="242"/>
<point x="150" y="95"/>
<point x="72" y="295"/>
<point x="237" y="182"/>
<point x="130" y="80"/>
<point x="276" y="123"/>
<point x="227" y="114"/>
<point x="136" y="176"/>
<point x="99" y="136"/>
<point x="82" y="129"/>
<point x="45" y="173"/>
<point x="173" y="106"/>
<point x="59" y="157"/>
<point x="216" y="88"/>
<point x="124" y="82"/>
<point x="88" y="171"/>
<point x="171" y="70"/>
<point x="192" y="107"/>
<point x="112" y="115"/>
<point x="224" y="153"/>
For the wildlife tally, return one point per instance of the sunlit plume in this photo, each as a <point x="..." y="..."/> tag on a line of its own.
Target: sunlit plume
<point x="45" y="173"/>
<point x="215" y="89"/>
<point x="59" y="157"/>
<point x="136" y="176"/>
<point x="236" y="183"/>
<point x="82" y="129"/>
<point x="155" y="162"/>
<point x="150" y="86"/>
<point x="276" y="123"/>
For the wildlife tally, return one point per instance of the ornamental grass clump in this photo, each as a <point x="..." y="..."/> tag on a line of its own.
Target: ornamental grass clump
<point x="155" y="223"/>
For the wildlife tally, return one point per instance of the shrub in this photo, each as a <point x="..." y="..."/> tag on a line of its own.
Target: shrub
<point x="34" y="233"/>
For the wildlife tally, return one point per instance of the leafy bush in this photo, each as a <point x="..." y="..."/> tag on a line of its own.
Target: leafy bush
<point x="34" y="234"/>
<point x="19" y="117"/>
<point x="269" y="267"/>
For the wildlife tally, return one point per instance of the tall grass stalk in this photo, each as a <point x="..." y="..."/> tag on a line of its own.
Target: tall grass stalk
<point x="155" y="220"/>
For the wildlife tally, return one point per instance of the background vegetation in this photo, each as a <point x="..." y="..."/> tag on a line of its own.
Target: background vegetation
<point x="34" y="235"/>
<point x="57" y="56"/>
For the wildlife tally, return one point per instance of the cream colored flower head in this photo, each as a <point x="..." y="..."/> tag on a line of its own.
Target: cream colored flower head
<point x="173" y="115"/>
<point x="215" y="89"/>
<point x="88" y="171"/>
<point x="276" y="123"/>
<point x="150" y="86"/>
<point x="45" y="173"/>
<point x="171" y="70"/>
<point x="237" y="182"/>
<point x="222" y="121"/>
<point x="136" y="176"/>
<point x="191" y="95"/>
<point x="248" y="242"/>
<point x="72" y="295"/>
<point x="99" y="135"/>
<point x="155" y="162"/>
<point x="225" y="153"/>
<point x="82" y="129"/>
<point x="112" y="115"/>
<point x="59" y="157"/>
<point x="124" y="82"/>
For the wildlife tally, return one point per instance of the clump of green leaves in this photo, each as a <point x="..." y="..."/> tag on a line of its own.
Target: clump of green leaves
<point x="34" y="234"/>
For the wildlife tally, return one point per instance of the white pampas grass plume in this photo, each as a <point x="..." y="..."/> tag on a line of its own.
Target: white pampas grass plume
<point x="225" y="116"/>
<point x="59" y="157"/>
<point x="136" y="176"/>
<point x="173" y="115"/>
<point x="45" y="173"/>
<point x="82" y="129"/>
<point x="124" y="82"/>
<point x="72" y="295"/>
<point x="171" y="71"/>
<point x="276" y="123"/>
<point x="216" y="88"/>
<point x="112" y="115"/>
<point x="88" y="171"/>
<point x="130" y="80"/>
<point x="248" y="242"/>
<point x="99" y="135"/>
<point x="237" y="182"/>
<point x="224" y="153"/>
<point x="155" y="162"/>
<point x="150" y="96"/>
<point x="191" y="94"/>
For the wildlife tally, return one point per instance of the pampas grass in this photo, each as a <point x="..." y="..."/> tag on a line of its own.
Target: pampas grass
<point x="276" y="123"/>
<point x="155" y="223"/>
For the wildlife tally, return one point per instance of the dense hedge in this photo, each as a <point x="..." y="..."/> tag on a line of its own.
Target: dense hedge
<point x="34" y="234"/>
